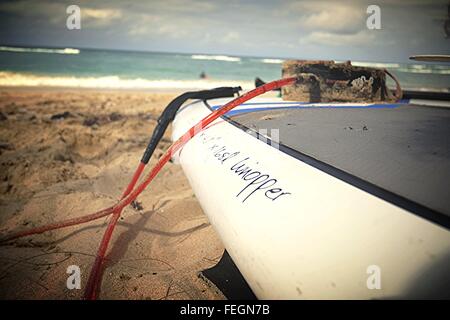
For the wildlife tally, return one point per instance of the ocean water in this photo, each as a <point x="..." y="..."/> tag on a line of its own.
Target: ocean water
<point x="89" y="68"/>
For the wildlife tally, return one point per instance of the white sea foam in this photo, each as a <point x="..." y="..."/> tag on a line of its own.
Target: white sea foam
<point x="215" y="57"/>
<point x="424" y="70"/>
<point x="12" y="79"/>
<point x="40" y="50"/>
<point x="276" y="61"/>
<point x="409" y="68"/>
<point x="375" y="64"/>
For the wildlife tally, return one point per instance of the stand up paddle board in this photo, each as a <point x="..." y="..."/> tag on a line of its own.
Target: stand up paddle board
<point x="327" y="201"/>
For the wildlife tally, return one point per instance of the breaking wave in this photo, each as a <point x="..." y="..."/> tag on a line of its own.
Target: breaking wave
<point x="425" y="69"/>
<point x="375" y="64"/>
<point x="275" y="61"/>
<point x="407" y="68"/>
<point x="12" y="79"/>
<point x="213" y="57"/>
<point x="40" y="50"/>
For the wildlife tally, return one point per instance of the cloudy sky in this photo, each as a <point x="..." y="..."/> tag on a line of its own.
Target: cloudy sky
<point x="301" y="29"/>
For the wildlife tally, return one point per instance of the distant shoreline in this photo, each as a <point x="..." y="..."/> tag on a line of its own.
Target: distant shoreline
<point x="85" y="89"/>
<point x="13" y="79"/>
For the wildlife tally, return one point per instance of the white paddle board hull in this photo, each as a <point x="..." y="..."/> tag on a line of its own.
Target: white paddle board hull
<point x="297" y="232"/>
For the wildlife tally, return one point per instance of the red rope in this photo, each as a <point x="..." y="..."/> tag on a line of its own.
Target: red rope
<point x="95" y="276"/>
<point x="59" y="225"/>
<point x="131" y="193"/>
<point x="135" y="178"/>
<point x="79" y="220"/>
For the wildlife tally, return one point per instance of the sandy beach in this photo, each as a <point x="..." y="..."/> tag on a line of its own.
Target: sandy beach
<point x="65" y="153"/>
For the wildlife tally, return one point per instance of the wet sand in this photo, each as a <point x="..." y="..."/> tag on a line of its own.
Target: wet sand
<point x="65" y="153"/>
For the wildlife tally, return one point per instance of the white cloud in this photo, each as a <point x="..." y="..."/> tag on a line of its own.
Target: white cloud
<point x="99" y="17"/>
<point x="345" y="18"/>
<point x="101" y="14"/>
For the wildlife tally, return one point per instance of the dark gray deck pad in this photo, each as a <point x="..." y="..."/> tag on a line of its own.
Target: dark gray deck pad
<point x="404" y="150"/>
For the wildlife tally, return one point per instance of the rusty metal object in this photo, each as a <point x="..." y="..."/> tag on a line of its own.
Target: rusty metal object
<point x="327" y="81"/>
